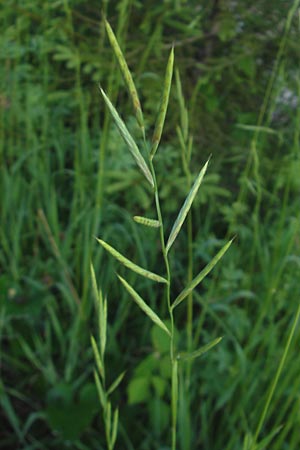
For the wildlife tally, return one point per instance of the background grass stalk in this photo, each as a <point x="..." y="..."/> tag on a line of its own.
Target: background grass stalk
<point x="275" y="381"/>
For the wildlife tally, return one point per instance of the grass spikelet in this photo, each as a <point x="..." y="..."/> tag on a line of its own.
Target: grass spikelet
<point x="163" y="105"/>
<point x="127" y="77"/>
<point x="133" y="148"/>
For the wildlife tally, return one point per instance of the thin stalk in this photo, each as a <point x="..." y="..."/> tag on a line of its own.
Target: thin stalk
<point x="174" y="382"/>
<point x="276" y="378"/>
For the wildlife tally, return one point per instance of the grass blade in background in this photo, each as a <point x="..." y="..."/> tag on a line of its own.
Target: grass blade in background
<point x="189" y="288"/>
<point x="163" y="105"/>
<point x="127" y="77"/>
<point x="133" y="148"/>
<point x="199" y="352"/>
<point x="186" y="207"/>
<point x="127" y="263"/>
<point x="143" y="305"/>
<point x="147" y="222"/>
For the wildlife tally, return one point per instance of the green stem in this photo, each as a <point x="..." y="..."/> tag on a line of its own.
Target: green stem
<point x="174" y="382"/>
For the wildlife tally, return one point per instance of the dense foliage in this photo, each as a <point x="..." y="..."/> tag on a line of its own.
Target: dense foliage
<point x="66" y="176"/>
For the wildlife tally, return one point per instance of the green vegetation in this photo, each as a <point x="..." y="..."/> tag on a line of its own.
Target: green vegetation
<point x="98" y="177"/>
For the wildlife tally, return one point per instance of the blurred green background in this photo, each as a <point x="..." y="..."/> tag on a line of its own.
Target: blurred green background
<point x="66" y="177"/>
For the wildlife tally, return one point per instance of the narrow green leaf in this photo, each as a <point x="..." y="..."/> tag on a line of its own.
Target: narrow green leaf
<point x="108" y="421"/>
<point x="159" y="125"/>
<point x="94" y="284"/>
<point x="98" y="358"/>
<point x="133" y="148"/>
<point x="144" y="307"/>
<point x="265" y="443"/>
<point x="147" y="222"/>
<point x="127" y="77"/>
<point x="186" y="207"/>
<point x="191" y="286"/>
<point x="102" y="322"/>
<point x="115" y="384"/>
<point x="199" y="352"/>
<point x="101" y="305"/>
<point x="100" y="390"/>
<point x="134" y="267"/>
<point x="114" y="428"/>
<point x="9" y="411"/>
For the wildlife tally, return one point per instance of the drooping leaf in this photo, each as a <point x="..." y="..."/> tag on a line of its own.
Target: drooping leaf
<point x="127" y="76"/>
<point x="186" y="207"/>
<point x="143" y="305"/>
<point x="163" y="105"/>
<point x="132" y="266"/>
<point x="199" y="352"/>
<point x="146" y="221"/>
<point x="133" y="148"/>
<point x="189" y="288"/>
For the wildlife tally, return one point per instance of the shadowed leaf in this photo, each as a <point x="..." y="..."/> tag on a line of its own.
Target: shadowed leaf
<point x="115" y="384"/>
<point x="199" y="352"/>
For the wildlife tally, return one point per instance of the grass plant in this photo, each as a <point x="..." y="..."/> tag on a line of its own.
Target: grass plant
<point x="149" y="172"/>
<point x="66" y="175"/>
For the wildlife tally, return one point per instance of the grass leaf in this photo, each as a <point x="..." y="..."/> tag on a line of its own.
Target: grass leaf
<point x="186" y="207"/>
<point x="191" y="286"/>
<point x="159" y="125"/>
<point x="115" y="384"/>
<point x="98" y="359"/>
<point x="101" y="305"/>
<point x="100" y="390"/>
<point x="143" y="305"/>
<point x="127" y="77"/>
<point x="133" y="148"/>
<point x="134" y="267"/>
<point x="114" y="428"/>
<point x="147" y="222"/>
<point x="199" y="352"/>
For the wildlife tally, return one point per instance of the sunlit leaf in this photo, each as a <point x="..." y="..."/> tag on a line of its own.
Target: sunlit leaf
<point x="133" y="148"/>
<point x="186" y="207"/>
<point x="189" y="288"/>
<point x="147" y="222"/>
<point x="143" y="305"/>
<point x="127" y="76"/>
<point x="163" y="105"/>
